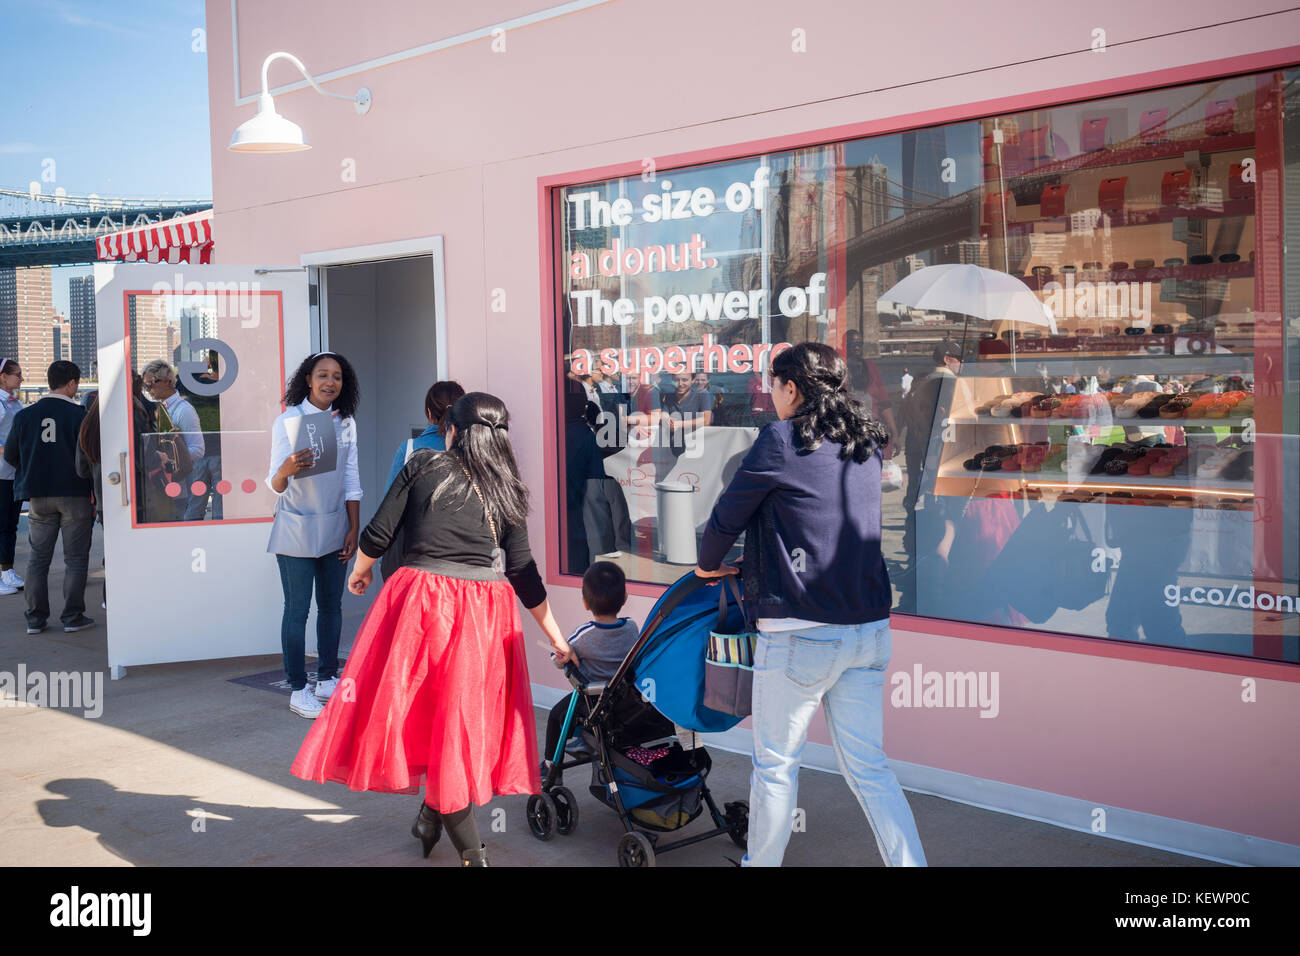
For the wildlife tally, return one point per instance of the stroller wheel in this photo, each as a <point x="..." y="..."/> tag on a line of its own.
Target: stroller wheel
<point x="566" y="810"/>
<point x="737" y="818"/>
<point x="542" y="816"/>
<point x="635" y="850"/>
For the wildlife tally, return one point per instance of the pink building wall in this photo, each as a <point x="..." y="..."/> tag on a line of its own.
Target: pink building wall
<point x="458" y="139"/>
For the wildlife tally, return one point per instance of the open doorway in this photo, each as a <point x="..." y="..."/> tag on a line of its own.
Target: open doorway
<point x="382" y="313"/>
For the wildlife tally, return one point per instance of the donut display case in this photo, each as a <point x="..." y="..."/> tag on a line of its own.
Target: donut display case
<point x="1127" y="467"/>
<point x="1115" y="490"/>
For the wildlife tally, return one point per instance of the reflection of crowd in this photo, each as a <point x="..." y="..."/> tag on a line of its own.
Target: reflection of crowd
<point x="178" y="444"/>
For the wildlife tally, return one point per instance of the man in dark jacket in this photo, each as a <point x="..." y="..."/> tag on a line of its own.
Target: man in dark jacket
<point x="42" y="447"/>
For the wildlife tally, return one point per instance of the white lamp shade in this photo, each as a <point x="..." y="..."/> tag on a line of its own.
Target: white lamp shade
<point x="268" y="132"/>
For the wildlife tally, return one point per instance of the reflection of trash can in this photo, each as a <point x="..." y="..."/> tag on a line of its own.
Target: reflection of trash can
<point x="676" y="522"/>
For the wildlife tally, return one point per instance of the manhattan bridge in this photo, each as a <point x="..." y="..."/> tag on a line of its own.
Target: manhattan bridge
<point x="56" y="229"/>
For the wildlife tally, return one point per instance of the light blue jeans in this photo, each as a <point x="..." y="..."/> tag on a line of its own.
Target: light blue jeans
<point x="794" y="671"/>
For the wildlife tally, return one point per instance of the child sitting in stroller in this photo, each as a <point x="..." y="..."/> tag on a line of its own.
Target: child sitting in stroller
<point x="599" y="646"/>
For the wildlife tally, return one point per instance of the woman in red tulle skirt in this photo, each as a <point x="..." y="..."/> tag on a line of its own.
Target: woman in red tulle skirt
<point x="436" y="692"/>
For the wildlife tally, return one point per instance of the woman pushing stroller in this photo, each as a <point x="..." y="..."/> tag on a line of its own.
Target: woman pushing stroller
<point x="810" y="486"/>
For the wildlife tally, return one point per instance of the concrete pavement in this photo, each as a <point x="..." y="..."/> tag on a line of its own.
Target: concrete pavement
<point x="183" y="767"/>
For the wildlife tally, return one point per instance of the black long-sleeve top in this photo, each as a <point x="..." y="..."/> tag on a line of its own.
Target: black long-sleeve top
<point x="450" y="536"/>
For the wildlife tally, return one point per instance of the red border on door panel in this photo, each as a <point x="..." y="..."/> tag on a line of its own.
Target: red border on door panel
<point x="548" y="226"/>
<point x="130" y="418"/>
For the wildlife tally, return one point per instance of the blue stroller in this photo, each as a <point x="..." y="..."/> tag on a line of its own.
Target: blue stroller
<point x="626" y="724"/>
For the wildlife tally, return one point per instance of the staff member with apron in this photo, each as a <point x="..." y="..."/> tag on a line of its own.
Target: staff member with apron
<point x="317" y="521"/>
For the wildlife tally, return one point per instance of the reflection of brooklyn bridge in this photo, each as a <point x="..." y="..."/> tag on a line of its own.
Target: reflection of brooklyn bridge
<point x="890" y="224"/>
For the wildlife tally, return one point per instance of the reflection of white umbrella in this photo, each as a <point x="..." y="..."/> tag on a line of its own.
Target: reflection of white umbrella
<point x="972" y="290"/>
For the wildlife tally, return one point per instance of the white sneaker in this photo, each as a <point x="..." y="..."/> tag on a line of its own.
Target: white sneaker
<point x="304" y="703"/>
<point x="12" y="579"/>
<point x="5" y="588"/>
<point x="325" y="688"/>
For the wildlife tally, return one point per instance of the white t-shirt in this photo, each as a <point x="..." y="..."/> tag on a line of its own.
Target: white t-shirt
<point x="787" y="624"/>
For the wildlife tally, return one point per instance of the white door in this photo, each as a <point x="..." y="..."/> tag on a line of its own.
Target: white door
<point x="188" y="574"/>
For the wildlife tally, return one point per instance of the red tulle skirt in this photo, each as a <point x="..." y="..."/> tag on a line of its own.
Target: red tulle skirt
<point x="435" y="694"/>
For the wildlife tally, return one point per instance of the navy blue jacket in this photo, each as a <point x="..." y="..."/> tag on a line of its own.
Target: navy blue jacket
<point x="42" y="445"/>
<point x="812" y="532"/>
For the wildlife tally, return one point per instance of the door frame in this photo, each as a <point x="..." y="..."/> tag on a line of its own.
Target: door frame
<point x="187" y="566"/>
<point x="432" y="246"/>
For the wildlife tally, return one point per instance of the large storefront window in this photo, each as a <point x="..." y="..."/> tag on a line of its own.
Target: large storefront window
<point x="1124" y="468"/>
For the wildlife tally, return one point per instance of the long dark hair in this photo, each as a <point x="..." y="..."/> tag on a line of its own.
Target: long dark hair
<point x="88" y="437"/>
<point x="440" y="397"/>
<point x="482" y="449"/>
<point x="298" y="387"/>
<point x="828" y="411"/>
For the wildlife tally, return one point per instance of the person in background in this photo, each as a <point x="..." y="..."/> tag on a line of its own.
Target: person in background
<point x="761" y="410"/>
<point x="207" y="469"/>
<point x="685" y="407"/>
<point x="440" y="397"/>
<point x="583" y="465"/>
<point x="601" y="384"/>
<point x="438" y="673"/>
<point x="867" y="385"/>
<point x="88" y="455"/>
<point x="907" y="382"/>
<point x="810" y="486"/>
<point x="11" y="379"/>
<point x="89" y="458"/>
<point x="921" y="413"/>
<point x="42" y="448"/>
<point x="174" y="414"/>
<point x="317" y="521"/>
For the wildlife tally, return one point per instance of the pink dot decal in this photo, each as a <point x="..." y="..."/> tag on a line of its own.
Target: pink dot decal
<point x="172" y="490"/>
<point x="223" y="487"/>
<point x="249" y="485"/>
<point x="198" y="488"/>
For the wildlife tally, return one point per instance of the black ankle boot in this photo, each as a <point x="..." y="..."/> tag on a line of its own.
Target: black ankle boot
<point x="474" y="857"/>
<point x="427" y="828"/>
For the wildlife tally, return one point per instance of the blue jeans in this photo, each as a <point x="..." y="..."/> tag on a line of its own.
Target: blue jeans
<point x="297" y="576"/>
<point x="73" y="516"/>
<point x="794" y="671"/>
<point x="207" y="470"/>
<point x="10" y="512"/>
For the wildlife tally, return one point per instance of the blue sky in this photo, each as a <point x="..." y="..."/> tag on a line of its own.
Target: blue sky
<point x="113" y="93"/>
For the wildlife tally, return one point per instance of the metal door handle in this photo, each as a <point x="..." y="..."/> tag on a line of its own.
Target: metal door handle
<point x="121" y="464"/>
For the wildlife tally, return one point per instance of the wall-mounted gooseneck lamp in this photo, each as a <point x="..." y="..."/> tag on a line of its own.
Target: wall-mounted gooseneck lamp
<point x="268" y="131"/>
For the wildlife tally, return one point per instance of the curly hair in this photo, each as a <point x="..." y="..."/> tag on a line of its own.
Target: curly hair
<point x="298" y="387"/>
<point x="828" y="411"/>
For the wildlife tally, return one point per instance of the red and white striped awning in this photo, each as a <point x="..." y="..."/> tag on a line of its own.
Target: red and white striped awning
<point x="183" y="239"/>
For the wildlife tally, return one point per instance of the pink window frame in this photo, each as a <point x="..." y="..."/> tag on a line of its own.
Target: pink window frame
<point x="549" y="234"/>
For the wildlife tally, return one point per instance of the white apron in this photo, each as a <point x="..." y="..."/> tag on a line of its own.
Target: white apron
<point x="311" y="517"/>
